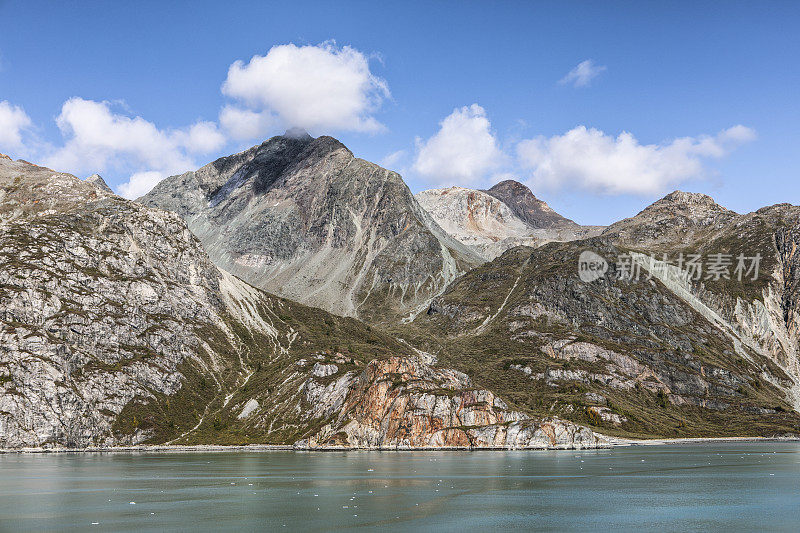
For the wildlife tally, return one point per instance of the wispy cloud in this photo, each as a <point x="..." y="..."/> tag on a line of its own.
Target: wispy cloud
<point x="582" y="74"/>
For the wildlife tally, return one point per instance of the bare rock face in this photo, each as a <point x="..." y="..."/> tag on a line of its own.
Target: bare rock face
<point x="101" y="301"/>
<point x="402" y="403"/>
<point x="505" y="216"/>
<point x="303" y="218"/>
<point x="477" y="219"/>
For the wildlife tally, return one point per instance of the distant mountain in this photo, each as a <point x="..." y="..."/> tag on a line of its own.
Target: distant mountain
<point x="673" y="220"/>
<point x="496" y="220"/>
<point x="303" y="218"/>
<point x="534" y="212"/>
<point x="116" y="328"/>
<point x="477" y="219"/>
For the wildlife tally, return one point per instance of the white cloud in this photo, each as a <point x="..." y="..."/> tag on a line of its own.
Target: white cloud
<point x="462" y="152"/>
<point x="244" y="124"/>
<point x="320" y="88"/>
<point x="141" y="183"/>
<point x="582" y="74"/>
<point x="592" y="160"/>
<point x="13" y="121"/>
<point x="99" y="139"/>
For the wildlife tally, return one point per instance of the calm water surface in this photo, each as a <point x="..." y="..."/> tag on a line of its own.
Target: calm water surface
<point x="736" y="487"/>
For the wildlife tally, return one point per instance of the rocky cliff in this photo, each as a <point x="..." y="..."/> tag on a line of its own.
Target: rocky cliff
<point x="116" y="328"/>
<point x="303" y="218"/>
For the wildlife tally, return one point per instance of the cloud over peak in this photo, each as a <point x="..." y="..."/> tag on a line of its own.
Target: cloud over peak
<point x="13" y="120"/>
<point x="321" y="88"/>
<point x="462" y="152"/>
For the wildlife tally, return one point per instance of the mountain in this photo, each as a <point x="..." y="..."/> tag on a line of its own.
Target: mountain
<point x="534" y="212"/>
<point x="759" y="303"/>
<point x="98" y="181"/>
<point x="505" y="216"/>
<point x="476" y="219"/>
<point x="658" y="353"/>
<point x="633" y="358"/>
<point x="303" y="218"/>
<point x="676" y="219"/>
<point x="116" y="329"/>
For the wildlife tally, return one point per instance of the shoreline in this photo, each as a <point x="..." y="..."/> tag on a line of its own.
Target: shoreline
<point x="216" y="448"/>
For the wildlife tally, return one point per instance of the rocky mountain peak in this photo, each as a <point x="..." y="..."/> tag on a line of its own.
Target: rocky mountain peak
<point x="689" y="198"/>
<point x="98" y="181"/>
<point x="4" y="156"/>
<point x="304" y="218"/>
<point x="528" y="207"/>
<point x="672" y="220"/>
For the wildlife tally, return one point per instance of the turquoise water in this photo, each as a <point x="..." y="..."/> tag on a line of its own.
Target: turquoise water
<point x="736" y="487"/>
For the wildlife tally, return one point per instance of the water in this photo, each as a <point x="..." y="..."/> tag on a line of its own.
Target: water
<point x="736" y="487"/>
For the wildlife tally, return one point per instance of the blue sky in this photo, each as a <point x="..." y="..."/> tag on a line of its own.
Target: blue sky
<point x="722" y="76"/>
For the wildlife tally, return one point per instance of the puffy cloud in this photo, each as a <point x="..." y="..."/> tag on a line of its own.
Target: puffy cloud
<point x="462" y="152"/>
<point x="99" y="139"/>
<point x="140" y="183"/>
<point x="590" y="159"/>
<point x="244" y="124"/>
<point x="319" y="88"/>
<point x="582" y="74"/>
<point x="13" y="121"/>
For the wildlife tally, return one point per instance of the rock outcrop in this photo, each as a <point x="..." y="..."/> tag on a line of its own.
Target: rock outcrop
<point x="98" y="181"/>
<point x="402" y="403"/>
<point x="304" y="219"/>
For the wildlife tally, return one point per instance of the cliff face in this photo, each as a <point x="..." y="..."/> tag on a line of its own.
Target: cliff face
<point x="505" y="216"/>
<point x="404" y="403"/>
<point x="116" y="328"/>
<point x="303" y="218"/>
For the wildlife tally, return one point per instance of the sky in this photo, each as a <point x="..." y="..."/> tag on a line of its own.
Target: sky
<point x="600" y="107"/>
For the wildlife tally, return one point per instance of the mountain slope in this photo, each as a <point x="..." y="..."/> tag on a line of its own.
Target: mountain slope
<point x="116" y="328"/>
<point x="759" y="306"/>
<point x="534" y="212"/>
<point x="632" y="357"/>
<point x="303" y="218"/>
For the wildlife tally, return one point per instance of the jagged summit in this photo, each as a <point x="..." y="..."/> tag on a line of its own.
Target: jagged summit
<point x="304" y="218"/>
